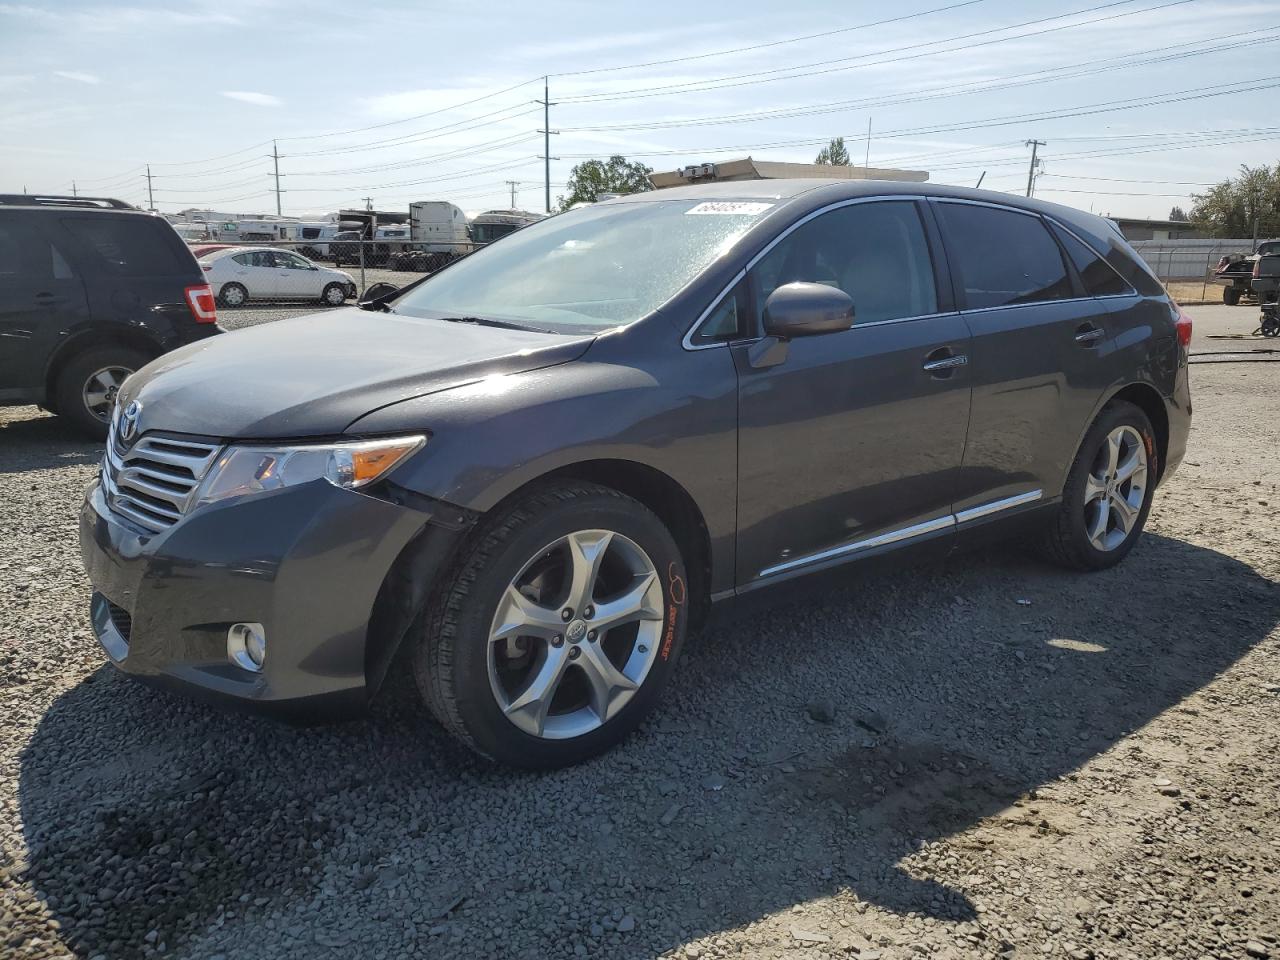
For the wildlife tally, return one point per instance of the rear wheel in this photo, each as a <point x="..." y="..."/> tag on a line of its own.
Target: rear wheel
<point x="233" y="295"/>
<point x="1108" y="492"/>
<point x="1230" y="296"/>
<point x="87" y="385"/>
<point x="557" y="629"/>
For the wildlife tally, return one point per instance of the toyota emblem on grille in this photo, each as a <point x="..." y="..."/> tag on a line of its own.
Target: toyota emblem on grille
<point x="129" y="421"/>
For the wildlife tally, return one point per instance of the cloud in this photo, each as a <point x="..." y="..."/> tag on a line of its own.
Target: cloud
<point x="250" y="96"/>
<point x="77" y="76"/>
<point x="115" y="19"/>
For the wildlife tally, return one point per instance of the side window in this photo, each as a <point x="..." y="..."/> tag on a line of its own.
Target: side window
<point x="244" y="259"/>
<point x="876" y="252"/>
<point x="725" y="322"/>
<point x="293" y="261"/>
<point x="130" y="247"/>
<point x="13" y="261"/>
<point x="61" y="269"/>
<point x="1002" y="257"/>
<point x="1098" y="276"/>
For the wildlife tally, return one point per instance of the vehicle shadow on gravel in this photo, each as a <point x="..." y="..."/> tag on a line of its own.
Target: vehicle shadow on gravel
<point x="955" y="691"/>
<point x="42" y="442"/>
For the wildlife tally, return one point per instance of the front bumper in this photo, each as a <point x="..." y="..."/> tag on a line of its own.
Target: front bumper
<point x="306" y="563"/>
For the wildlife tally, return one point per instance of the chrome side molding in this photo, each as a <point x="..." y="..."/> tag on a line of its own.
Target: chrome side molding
<point x="907" y="533"/>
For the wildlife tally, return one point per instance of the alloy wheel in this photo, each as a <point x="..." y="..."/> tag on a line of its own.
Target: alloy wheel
<point x="1115" y="488"/>
<point x="100" y="390"/>
<point x="575" y="634"/>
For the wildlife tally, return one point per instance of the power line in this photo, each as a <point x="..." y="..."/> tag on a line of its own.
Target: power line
<point x="772" y="43"/>
<point x="804" y="70"/>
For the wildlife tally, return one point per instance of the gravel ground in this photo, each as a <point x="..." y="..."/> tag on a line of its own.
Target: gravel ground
<point x="981" y="758"/>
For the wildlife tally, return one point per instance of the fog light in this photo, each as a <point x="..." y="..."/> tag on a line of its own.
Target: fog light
<point x="247" y="645"/>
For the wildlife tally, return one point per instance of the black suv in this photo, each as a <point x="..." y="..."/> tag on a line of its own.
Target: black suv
<point x="535" y="470"/>
<point x="90" y="290"/>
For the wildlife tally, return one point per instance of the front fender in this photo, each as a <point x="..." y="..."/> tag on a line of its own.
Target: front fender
<point x="672" y="410"/>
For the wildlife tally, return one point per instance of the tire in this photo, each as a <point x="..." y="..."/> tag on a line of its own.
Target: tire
<point x="334" y="295"/>
<point x="233" y="295"/>
<point x="464" y="675"/>
<point x="1073" y="539"/>
<point x="1230" y="296"/>
<point x="79" y="379"/>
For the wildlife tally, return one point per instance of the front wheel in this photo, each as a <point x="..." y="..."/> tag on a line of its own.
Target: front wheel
<point x="1108" y="492"/>
<point x="557" y="628"/>
<point x="335" y="295"/>
<point x="87" y="386"/>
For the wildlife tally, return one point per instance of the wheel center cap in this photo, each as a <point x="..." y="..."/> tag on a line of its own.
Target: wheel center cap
<point x="576" y="630"/>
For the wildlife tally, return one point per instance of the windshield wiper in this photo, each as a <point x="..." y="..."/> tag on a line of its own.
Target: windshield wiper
<point x="489" y="322"/>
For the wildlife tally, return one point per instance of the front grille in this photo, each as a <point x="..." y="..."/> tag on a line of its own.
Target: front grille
<point x="153" y="482"/>
<point x="120" y="619"/>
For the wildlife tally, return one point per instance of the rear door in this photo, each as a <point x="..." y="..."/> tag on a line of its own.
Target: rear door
<point x="42" y="300"/>
<point x="852" y="442"/>
<point x="257" y="271"/>
<point x="1040" y="356"/>
<point x="136" y="268"/>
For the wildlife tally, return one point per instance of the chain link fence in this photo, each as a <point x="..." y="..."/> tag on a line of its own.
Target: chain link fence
<point x="1188" y="267"/>
<point x="245" y="272"/>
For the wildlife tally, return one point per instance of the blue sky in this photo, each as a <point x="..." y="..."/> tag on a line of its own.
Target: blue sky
<point x="92" y="92"/>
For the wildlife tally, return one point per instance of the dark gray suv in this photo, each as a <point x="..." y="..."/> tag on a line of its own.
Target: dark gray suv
<point x="532" y="474"/>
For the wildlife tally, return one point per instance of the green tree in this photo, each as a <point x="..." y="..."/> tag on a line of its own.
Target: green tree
<point x="833" y="153"/>
<point x="591" y="178"/>
<point x="1230" y="208"/>
<point x="1177" y="213"/>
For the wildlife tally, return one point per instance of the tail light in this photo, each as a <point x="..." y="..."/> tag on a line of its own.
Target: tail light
<point x="203" y="306"/>
<point x="1257" y="267"/>
<point x="1182" y="324"/>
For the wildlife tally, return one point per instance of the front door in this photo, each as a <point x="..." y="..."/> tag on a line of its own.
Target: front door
<point x="296" y="277"/>
<point x="853" y="442"/>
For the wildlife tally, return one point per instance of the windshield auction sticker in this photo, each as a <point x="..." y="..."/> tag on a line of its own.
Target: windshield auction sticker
<point x="736" y="208"/>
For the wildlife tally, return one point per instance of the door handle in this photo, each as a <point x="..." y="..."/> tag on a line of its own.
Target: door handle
<point x="45" y="299"/>
<point x="940" y="363"/>
<point x="1088" y="335"/>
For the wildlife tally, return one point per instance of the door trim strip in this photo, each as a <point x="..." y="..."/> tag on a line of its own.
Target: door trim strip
<point x="1008" y="503"/>
<point x="905" y="533"/>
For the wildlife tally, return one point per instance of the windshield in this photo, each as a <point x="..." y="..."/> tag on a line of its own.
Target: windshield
<point x="589" y="269"/>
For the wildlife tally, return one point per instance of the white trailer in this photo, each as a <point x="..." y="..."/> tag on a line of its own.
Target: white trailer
<point x="437" y="226"/>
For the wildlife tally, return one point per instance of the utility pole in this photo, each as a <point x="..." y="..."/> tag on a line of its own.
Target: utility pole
<point x="368" y="203"/>
<point x="275" y="156"/>
<point x="513" y="184"/>
<point x="1031" y="174"/>
<point x="151" y="198"/>
<point x="73" y="189"/>
<point x="546" y="132"/>
<point x="1255" y="220"/>
<point x="866" y="162"/>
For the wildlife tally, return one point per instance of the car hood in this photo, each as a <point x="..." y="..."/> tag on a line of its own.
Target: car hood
<point x="314" y="375"/>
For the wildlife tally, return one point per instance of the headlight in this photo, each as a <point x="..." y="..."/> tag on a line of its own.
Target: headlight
<point x="244" y="470"/>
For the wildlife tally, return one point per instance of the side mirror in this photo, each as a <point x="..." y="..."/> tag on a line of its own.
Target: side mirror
<point x="377" y="294"/>
<point x="807" y="309"/>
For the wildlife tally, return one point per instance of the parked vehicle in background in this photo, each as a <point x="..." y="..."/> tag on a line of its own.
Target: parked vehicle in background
<point x="540" y="467"/>
<point x="494" y="224"/>
<point x="1235" y="272"/>
<point x="437" y="226"/>
<point x="240" y="274"/>
<point x="386" y="241"/>
<point x="314" y="238"/>
<point x="90" y="290"/>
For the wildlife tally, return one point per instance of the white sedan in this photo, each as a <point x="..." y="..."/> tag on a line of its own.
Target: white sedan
<point x="240" y="274"/>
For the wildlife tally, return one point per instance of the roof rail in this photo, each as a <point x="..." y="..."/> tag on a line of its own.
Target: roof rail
<point x="52" y="200"/>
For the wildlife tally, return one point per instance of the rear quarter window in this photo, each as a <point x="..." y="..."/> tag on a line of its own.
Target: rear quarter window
<point x="130" y="247"/>
<point x="1099" y="278"/>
